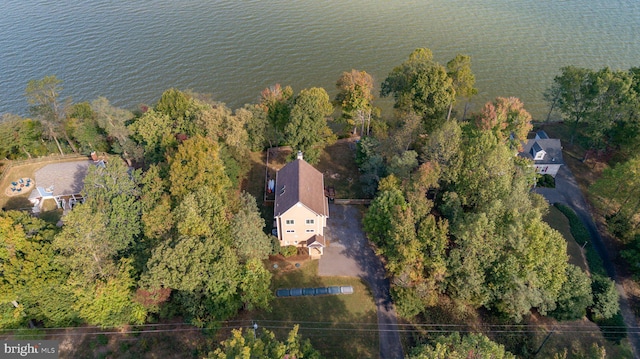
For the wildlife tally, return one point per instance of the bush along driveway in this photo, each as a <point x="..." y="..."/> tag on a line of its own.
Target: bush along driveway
<point x="568" y="193"/>
<point x="349" y="254"/>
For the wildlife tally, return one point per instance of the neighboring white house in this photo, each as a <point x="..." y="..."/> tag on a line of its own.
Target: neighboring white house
<point x="546" y="153"/>
<point x="301" y="208"/>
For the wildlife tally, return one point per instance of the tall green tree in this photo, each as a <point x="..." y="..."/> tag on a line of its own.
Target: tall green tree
<point x="44" y="103"/>
<point x="378" y="220"/>
<point x="153" y="131"/>
<point x="32" y="284"/>
<point x="197" y="163"/>
<point x="181" y="109"/>
<point x="255" y="285"/>
<point x="247" y="345"/>
<point x="615" y="105"/>
<point x="109" y="302"/>
<point x="573" y="93"/>
<point x="276" y="103"/>
<point x="463" y="79"/>
<point x="82" y="127"/>
<point x="354" y="98"/>
<point x="421" y="85"/>
<point x="605" y="297"/>
<point x="307" y="130"/>
<point x="249" y="239"/>
<point x="619" y="188"/>
<point x="203" y="270"/>
<point x="113" y="121"/>
<point x="20" y="138"/>
<point x="455" y="346"/>
<point x="575" y="296"/>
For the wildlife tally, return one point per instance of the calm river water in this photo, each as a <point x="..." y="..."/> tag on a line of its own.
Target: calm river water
<point x="130" y="51"/>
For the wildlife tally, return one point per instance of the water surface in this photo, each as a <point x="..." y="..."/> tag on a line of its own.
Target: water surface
<point x="130" y="51"/>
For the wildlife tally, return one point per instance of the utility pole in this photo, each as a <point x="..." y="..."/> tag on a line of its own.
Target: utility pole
<point x="255" y="327"/>
<point x="544" y="341"/>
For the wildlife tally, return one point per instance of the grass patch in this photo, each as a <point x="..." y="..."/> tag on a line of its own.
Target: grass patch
<point x="20" y="201"/>
<point x="338" y="165"/>
<point x="52" y="216"/>
<point x="582" y="236"/>
<point x="558" y="221"/>
<point x="339" y="326"/>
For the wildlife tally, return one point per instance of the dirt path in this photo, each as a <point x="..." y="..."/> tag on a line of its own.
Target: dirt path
<point x="568" y="192"/>
<point x="349" y="254"/>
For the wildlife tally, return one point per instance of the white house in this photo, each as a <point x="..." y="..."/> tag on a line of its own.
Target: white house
<point x="546" y="153"/>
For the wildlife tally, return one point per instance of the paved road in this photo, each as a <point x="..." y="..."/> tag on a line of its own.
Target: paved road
<point x="349" y="254"/>
<point x="568" y="192"/>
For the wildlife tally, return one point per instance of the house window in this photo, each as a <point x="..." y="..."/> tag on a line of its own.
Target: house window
<point x="310" y="230"/>
<point x="309" y="221"/>
<point x="291" y="231"/>
<point x="289" y="222"/>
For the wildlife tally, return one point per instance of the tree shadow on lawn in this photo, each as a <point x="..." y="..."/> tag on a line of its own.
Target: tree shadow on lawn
<point x="18" y="203"/>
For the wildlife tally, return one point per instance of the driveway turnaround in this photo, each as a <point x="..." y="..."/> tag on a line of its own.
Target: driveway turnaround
<point x="349" y="254"/>
<point x="568" y="193"/>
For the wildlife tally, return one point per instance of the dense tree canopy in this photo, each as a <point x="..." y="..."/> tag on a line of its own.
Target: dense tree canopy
<point x="246" y="345"/>
<point x="307" y="130"/>
<point x="455" y="346"/>
<point x="421" y="85"/>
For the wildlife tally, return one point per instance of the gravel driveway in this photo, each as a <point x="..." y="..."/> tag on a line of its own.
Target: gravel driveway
<point x="349" y="254"/>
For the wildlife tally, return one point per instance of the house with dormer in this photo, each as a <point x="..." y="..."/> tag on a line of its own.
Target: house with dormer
<point x="301" y="208"/>
<point x="545" y="152"/>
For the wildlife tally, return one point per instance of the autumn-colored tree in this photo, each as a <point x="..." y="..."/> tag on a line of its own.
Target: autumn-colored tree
<point x="507" y="119"/>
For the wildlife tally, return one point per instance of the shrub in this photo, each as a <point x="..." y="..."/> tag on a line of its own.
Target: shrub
<point x="288" y="251"/>
<point x="547" y="181"/>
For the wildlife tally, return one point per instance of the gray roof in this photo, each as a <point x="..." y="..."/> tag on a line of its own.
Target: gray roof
<point x="541" y="135"/>
<point x="552" y="147"/>
<point x="297" y="182"/>
<point x="65" y="177"/>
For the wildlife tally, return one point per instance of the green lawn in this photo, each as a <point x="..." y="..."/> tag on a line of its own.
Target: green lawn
<point x="559" y="222"/>
<point x="339" y="326"/>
